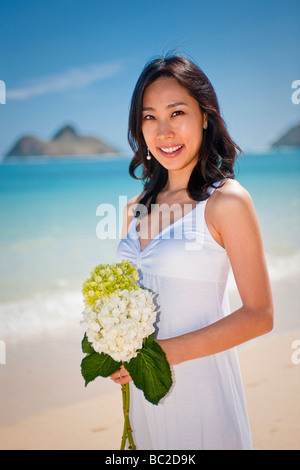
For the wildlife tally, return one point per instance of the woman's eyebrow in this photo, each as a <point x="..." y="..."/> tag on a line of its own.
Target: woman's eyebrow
<point x="178" y="103"/>
<point x="171" y="105"/>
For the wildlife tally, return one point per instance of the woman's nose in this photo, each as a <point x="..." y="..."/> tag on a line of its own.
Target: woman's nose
<point x="165" y="129"/>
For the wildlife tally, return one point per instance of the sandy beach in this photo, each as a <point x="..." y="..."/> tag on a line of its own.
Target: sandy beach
<point x="45" y="406"/>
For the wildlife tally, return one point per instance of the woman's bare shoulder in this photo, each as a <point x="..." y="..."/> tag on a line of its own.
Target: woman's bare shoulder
<point x="229" y="201"/>
<point x="231" y="193"/>
<point x="230" y="211"/>
<point x="231" y="186"/>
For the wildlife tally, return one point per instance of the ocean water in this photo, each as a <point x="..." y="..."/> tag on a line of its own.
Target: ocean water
<point x="50" y="209"/>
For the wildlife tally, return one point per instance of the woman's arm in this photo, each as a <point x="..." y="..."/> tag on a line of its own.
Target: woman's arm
<point x="232" y="221"/>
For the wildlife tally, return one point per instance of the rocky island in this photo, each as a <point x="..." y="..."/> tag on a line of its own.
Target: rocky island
<point x="290" y="139"/>
<point x="65" y="142"/>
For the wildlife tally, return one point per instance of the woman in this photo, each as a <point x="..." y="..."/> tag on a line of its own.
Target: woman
<point x="187" y="156"/>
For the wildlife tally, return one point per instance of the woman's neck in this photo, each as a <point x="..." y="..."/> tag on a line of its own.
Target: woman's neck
<point x="177" y="181"/>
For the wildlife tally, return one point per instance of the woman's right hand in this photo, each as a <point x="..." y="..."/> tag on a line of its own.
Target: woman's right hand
<point x="121" y="376"/>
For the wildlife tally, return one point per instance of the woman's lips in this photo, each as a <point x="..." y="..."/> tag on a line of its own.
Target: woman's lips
<point x="170" y="152"/>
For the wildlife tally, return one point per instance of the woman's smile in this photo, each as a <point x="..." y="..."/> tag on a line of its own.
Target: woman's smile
<point x="170" y="152"/>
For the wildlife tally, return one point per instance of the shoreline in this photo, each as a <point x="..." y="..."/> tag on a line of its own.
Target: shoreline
<point x="59" y="309"/>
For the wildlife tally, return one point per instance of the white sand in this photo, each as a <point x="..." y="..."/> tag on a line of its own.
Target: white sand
<point x="44" y="404"/>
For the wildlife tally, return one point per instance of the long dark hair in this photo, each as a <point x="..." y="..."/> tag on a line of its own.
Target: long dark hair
<point x="218" y="151"/>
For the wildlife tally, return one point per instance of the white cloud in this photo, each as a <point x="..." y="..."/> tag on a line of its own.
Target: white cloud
<point x="70" y="79"/>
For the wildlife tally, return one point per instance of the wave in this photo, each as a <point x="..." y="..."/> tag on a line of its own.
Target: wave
<point x="62" y="309"/>
<point x="39" y="314"/>
<point x="283" y="267"/>
<point x="280" y="268"/>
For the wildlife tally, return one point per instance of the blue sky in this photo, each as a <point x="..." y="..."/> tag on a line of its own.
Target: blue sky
<point x="77" y="61"/>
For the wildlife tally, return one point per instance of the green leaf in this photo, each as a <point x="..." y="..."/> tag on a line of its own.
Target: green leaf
<point x="147" y="341"/>
<point x="95" y="365"/>
<point x="86" y="346"/>
<point x="150" y="371"/>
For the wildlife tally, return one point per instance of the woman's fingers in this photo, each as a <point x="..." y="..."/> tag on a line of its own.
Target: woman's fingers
<point x="121" y="376"/>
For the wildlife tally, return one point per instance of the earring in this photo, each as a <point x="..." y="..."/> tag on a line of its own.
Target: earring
<point x="148" y="154"/>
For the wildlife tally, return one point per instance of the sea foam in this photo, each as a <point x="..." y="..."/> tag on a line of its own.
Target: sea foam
<point x="62" y="309"/>
<point x="39" y="314"/>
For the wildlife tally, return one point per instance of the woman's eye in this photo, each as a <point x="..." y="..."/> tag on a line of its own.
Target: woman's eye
<point x="177" y="113"/>
<point x="148" y="117"/>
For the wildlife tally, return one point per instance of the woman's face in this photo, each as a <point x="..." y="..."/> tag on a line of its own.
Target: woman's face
<point x="172" y="124"/>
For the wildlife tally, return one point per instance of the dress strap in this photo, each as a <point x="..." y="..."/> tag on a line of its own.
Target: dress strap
<point x="214" y="186"/>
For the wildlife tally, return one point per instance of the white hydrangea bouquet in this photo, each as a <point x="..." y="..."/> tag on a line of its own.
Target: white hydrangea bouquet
<point x="118" y="319"/>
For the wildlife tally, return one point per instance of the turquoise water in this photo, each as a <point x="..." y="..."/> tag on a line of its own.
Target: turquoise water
<point x="273" y="182"/>
<point x="48" y="239"/>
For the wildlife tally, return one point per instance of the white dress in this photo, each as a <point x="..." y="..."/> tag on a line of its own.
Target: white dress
<point x="205" y="407"/>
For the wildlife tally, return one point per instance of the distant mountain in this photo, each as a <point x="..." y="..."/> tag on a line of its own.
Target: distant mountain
<point x="65" y="142"/>
<point x="291" y="138"/>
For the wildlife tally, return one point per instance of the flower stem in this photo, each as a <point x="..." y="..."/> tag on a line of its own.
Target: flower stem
<point x="127" y="431"/>
<point x="124" y="435"/>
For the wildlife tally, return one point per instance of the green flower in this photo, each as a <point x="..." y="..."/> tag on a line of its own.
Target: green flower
<point x="108" y="278"/>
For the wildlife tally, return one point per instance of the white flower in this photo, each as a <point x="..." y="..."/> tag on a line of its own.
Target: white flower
<point x="117" y="325"/>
